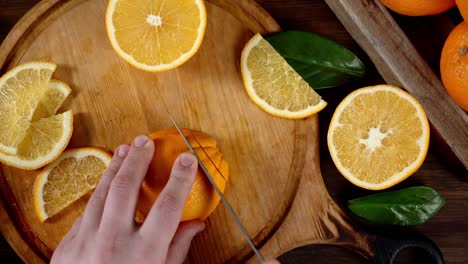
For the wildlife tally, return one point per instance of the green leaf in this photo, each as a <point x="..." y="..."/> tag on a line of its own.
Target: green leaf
<point x="322" y="62"/>
<point x="411" y="206"/>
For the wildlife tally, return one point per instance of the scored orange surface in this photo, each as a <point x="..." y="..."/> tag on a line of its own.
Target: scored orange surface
<point x="202" y="200"/>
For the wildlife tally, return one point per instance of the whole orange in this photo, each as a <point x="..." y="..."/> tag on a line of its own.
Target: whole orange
<point x="454" y="65"/>
<point x="463" y="7"/>
<point x="419" y="7"/>
<point x="203" y="199"/>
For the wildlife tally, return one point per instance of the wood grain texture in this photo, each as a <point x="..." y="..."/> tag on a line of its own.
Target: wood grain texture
<point x="314" y="217"/>
<point x="400" y="64"/>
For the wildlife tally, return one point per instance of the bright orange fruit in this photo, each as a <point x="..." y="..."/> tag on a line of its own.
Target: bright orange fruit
<point x="419" y="7"/>
<point x="463" y="7"/>
<point x="454" y="65"/>
<point x="203" y="199"/>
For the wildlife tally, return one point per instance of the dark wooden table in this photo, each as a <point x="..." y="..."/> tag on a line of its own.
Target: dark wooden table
<point x="449" y="229"/>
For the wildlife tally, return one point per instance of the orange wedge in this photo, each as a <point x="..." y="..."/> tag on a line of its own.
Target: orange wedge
<point x="21" y="89"/>
<point x="64" y="181"/>
<point x="43" y="142"/>
<point x="51" y="101"/>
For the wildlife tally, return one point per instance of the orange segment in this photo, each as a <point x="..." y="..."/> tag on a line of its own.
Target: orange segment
<point x="43" y="142"/>
<point x="20" y="92"/>
<point x="156" y="35"/>
<point x="52" y="99"/>
<point x="64" y="181"/>
<point x="202" y="200"/>
<point x="378" y="136"/>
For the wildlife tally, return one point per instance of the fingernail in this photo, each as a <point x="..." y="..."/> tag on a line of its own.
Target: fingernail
<point x="123" y="151"/>
<point x="186" y="160"/>
<point x="140" y="141"/>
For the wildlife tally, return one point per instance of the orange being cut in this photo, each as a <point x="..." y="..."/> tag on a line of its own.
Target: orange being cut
<point x="378" y="136"/>
<point x="202" y="200"/>
<point x="156" y="35"/>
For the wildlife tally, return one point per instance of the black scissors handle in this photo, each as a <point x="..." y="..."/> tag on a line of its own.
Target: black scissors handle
<point x="387" y="246"/>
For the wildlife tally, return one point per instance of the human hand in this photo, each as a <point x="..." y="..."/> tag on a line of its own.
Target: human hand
<point x="107" y="232"/>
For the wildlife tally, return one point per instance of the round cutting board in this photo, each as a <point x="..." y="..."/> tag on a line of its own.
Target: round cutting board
<point x="114" y="102"/>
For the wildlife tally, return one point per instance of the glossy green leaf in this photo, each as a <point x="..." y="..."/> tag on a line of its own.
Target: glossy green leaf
<point x="322" y="62"/>
<point x="406" y="207"/>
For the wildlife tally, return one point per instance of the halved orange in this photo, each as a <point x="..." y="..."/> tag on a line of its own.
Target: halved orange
<point x="273" y="85"/>
<point x="156" y="35"/>
<point x="378" y="136"/>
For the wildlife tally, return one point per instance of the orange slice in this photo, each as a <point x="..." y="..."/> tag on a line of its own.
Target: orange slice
<point x="43" y="142"/>
<point x="20" y="92"/>
<point x="273" y="85"/>
<point x="156" y="35"/>
<point x="378" y="136"/>
<point x="64" y="181"/>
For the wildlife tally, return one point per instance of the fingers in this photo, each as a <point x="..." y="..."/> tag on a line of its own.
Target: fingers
<point x="73" y="230"/>
<point x="119" y="210"/>
<point x="164" y="217"/>
<point x="180" y="244"/>
<point x="95" y="207"/>
<point x="274" y="261"/>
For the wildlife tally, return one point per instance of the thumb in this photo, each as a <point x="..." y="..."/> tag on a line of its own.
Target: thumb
<point x="180" y="244"/>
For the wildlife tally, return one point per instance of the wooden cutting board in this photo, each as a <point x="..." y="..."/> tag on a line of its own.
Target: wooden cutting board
<point x="275" y="183"/>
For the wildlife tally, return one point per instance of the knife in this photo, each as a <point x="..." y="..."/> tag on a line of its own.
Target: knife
<point x="220" y="194"/>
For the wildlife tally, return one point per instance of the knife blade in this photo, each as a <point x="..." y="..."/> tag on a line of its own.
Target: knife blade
<point x="220" y="194"/>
